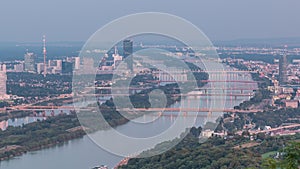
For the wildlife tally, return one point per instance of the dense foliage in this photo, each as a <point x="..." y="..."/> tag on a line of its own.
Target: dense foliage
<point x="190" y="154"/>
<point x="36" y="85"/>
<point x="38" y="135"/>
<point x="3" y="104"/>
<point x="276" y="118"/>
<point x="289" y="158"/>
<point x="220" y="153"/>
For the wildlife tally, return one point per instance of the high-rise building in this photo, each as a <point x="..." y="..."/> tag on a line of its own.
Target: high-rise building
<point x="67" y="67"/>
<point x="127" y="51"/>
<point x="117" y="58"/>
<point x="52" y="63"/>
<point x="127" y="48"/>
<point x="283" y="70"/>
<point x="87" y="66"/>
<point x="45" y="55"/>
<point x="55" y="66"/>
<point x="29" y="63"/>
<point x="40" y="68"/>
<point x="59" y="64"/>
<point x="19" y="67"/>
<point x="3" y="79"/>
<point x="77" y="63"/>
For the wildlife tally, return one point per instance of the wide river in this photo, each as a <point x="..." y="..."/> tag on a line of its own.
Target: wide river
<point x="83" y="153"/>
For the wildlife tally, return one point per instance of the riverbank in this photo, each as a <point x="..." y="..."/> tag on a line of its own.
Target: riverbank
<point x="218" y="152"/>
<point x="83" y="153"/>
<point x="57" y="130"/>
<point x="16" y="141"/>
<point x="262" y="95"/>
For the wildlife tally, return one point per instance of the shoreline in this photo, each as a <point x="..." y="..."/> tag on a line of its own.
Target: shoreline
<point x="40" y="138"/>
<point x="125" y="160"/>
<point x="41" y="147"/>
<point x="65" y="137"/>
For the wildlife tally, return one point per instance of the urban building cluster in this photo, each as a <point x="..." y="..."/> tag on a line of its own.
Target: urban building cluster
<point x="111" y="61"/>
<point x="284" y="75"/>
<point x="29" y="64"/>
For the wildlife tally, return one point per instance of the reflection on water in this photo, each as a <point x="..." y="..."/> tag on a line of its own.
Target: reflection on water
<point x="84" y="154"/>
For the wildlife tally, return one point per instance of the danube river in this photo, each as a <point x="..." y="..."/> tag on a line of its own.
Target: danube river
<point x="83" y="153"/>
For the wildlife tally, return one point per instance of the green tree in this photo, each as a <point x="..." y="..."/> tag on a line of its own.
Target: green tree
<point x="269" y="163"/>
<point x="290" y="160"/>
<point x="292" y="156"/>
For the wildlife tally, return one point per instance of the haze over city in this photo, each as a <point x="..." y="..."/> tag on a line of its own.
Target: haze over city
<point x="26" y="21"/>
<point x="174" y="84"/>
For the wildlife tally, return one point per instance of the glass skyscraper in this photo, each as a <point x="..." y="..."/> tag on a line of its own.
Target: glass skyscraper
<point x="283" y="70"/>
<point x="29" y="63"/>
<point x="127" y="51"/>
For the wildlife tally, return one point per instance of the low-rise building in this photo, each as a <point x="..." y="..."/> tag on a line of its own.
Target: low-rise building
<point x="291" y="103"/>
<point x="207" y="133"/>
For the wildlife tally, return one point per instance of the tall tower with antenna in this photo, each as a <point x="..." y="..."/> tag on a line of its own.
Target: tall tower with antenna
<point x="45" y="53"/>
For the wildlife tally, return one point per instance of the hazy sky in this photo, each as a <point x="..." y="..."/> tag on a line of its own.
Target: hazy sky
<point x="69" y="20"/>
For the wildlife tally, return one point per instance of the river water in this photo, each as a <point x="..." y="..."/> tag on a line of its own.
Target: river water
<point x="83" y="153"/>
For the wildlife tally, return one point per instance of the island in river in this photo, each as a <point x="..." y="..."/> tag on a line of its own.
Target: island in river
<point x="56" y="130"/>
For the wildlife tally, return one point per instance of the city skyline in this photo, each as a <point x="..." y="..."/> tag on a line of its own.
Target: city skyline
<point x="258" y="80"/>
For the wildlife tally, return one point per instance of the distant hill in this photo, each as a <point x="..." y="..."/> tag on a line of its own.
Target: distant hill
<point x="268" y="42"/>
<point x="16" y="50"/>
